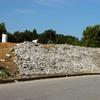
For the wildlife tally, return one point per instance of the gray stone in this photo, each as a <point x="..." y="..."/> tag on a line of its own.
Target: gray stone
<point x="55" y="59"/>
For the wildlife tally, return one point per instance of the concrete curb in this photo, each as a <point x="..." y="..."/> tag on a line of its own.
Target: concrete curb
<point x="82" y="74"/>
<point x="14" y="80"/>
<point x="33" y="78"/>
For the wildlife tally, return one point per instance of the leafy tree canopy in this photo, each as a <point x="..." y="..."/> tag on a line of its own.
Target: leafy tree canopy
<point x="48" y="36"/>
<point x="91" y="36"/>
<point x="2" y="28"/>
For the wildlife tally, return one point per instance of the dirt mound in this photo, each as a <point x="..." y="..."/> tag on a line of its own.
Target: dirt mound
<point x="5" y="48"/>
<point x="6" y="58"/>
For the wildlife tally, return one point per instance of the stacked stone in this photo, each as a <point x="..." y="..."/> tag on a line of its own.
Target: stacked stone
<point x="38" y="59"/>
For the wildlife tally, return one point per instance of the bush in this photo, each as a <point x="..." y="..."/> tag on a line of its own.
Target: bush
<point x="4" y="73"/>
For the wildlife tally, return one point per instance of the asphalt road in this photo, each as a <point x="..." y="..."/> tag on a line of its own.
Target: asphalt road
<point x="72" y="88"/>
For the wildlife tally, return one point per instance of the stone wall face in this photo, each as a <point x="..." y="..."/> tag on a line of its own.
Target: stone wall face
<point x="53" y="59"/>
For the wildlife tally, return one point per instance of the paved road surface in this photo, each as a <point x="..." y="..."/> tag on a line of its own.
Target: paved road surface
<point x="76" y="88"/>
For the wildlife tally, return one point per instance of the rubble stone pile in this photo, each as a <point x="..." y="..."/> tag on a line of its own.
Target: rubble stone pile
<point x="54" y="59"/>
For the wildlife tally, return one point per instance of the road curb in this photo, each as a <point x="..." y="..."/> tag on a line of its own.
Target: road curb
<point x="33" y="78"/>
<point x="14" y="80"/>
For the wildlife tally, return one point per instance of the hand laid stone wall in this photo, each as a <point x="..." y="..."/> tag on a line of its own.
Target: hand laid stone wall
<point x="53" y="59"/>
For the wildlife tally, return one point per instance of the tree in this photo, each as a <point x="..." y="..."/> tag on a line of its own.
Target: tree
<point x="11" y="37"/>
<point x="25" y="36"/>
<point x="49" y="36"/>
<point x="2" y="30"/>
<point x="60" y="39"/>
<point x="34" y="34"/>
<point x="18" y="36"/>
<point x="91" y="36"/>
<point x="72" y="40"/>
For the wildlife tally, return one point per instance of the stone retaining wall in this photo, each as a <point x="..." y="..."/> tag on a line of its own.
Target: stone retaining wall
<point x="53" y="59"/>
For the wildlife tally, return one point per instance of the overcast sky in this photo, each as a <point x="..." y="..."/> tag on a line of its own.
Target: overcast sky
<point x="65" y="16"/>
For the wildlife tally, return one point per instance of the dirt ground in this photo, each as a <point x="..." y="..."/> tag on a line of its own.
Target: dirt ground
<point x="7" y="62"/>
<point x="4" y="49"/>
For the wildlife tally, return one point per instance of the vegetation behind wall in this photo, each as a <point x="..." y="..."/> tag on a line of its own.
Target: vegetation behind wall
<point x="91" y="36"/>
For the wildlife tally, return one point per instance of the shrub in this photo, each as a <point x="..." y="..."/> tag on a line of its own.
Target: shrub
<point x="4" y="72"/>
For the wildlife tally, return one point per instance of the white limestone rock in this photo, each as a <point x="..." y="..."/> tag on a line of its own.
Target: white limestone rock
<point x="63" y="58"/>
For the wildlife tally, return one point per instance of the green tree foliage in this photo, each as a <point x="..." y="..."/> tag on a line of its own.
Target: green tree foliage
<point x="4" y="72"/>
<point x="34" y="34"/>
<point x="25" y="36"/>
<point x="60" y="39"/>
<point x="91" y="36"/>
<point x="2" y="30"/>
<point x="10" y="37"/>
<point x="48" y="36"/>
<point x="18" y="36"/>
<point x="72" y="40"/>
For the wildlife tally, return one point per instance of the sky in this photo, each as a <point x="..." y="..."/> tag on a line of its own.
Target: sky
<point x="69" y="17"/>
